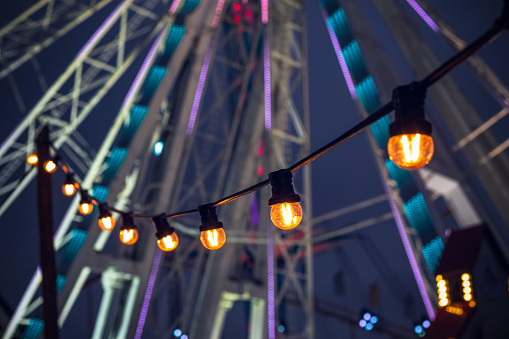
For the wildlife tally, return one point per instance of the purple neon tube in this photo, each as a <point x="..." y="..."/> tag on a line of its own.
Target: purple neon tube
<point x="143" y="70"/>
<point x="109" y="20"/>
<point x="342" y="63"/>
<point x="271" y="305"/>
<point x="410" y="254"/>
<point x="199" y="89"/>
<point x="148" y="294"/>
<point x="266" y="79"/>
<point x="204" y="71"/>
<point x="424" y="16"/>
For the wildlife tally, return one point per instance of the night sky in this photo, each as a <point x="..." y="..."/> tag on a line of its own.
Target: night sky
<point x="343" y="177"/>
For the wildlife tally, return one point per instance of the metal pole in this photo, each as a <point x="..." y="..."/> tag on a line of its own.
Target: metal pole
<point x="47" y="254"/>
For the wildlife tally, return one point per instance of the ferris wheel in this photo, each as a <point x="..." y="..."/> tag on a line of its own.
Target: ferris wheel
<point x="159" y="107"/>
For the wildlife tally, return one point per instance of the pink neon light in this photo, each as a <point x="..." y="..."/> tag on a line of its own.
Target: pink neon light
<point x="342" y="63"/>
<point x="99" y="33"/>
<point x="266" y="79"/>
<point x="148" y="294"/>
<point x="410" y="254"/>
<point x="217" y="16"/>
<point x="265" y="11"/>
<point x="143" y="70"/>
<point x="174" y="5"/>
<point x="261" y="148"/>
<point x="424" y="16"/>
<point x="199" y="89"/>
<point x="271" y="304"/>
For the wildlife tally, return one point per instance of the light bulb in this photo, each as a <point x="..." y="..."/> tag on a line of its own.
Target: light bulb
<point x="213" y="239"/>
<point x="465" y="276"/>
<point x="467" y="297"/>
<point x="169" y="242"/>
<point x="85" y="208"/>
<point x="411" y="151"/>
<point x="443" y="302"/>
<point x="32" y="159"/>
<point x="128" y="236"/>
<point x="106" y="223"/>
<point x="50" y="166"/>
<point x="286" y="216"/>
<point x="68" y="189"/>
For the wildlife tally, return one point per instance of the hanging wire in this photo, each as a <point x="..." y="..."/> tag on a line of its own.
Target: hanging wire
<point x="432" y="78"/>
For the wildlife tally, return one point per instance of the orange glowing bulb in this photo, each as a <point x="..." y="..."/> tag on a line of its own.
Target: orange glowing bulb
<point x="213" y="239"/>
<point x="50" y="166"/>
<point x="32" y="159"/>
<point x="443" y="302"/>
<point x="169" y="242"/>
<point x="85" y="208"/>
<point x="286" y="216"/>
<point x="129" y="236"/>
<point x="106" y="223"/>
<point x="68" y="189"/>
<point x="411" y="151"/>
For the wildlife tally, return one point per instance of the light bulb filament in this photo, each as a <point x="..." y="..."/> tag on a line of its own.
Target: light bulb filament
<point x="286" y="211"/>
<point x="85" y="208"/>
<point x="107" y="222"/>
<point x="411" y="149"/>
<point x="128" y="235"/>
<point x="168" y="242"/>
<point x="213" y="238"/>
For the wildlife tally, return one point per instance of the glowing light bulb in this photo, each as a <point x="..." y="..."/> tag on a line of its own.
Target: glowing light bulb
<point x="441" y="283"/>
<point x="443" y="302"/>
<point x="85" y="208"/>
<point x="68" y="189"/>
<point x="286" y="216"/>
<point x="50" y="166"/>
<point x="32" y="159"/>
<point x="213" y="239"/>
<point x="467" y="290"/>
<point x="128" y="236"/>
<point x="439" y="277"/>
<point x="411" y="151"/>
<point x="465" y="276"/>
<point x="106" y="223"/>
<point x="471" y="304"/>
<point x="169" y="242"/>
<point x="467" y="297"/>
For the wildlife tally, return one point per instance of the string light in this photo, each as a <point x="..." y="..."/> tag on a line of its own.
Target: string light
<point x="86" y="206"/>
<point x="410" y="145"/>
<point x="32" y="159"/>
<point x="50" y="166"/>
<point x="68" y="187"/>
<point x="106" y="222"/>
<point x="212" y="234"/>
<point x="167" y="239"/>
<point x="285" y="211"/>
<point x="128" y="232"/>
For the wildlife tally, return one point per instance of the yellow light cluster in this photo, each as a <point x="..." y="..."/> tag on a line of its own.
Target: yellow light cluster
<point x="467" y="287"/>
<point x="443" y="299"/>
<point x="454" y="310"/>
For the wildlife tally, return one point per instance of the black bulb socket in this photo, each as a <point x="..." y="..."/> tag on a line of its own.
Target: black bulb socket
<point x="162" y="226"/>
<point x="282" y="188"/>
<point x="103" y="211"/>
<point x="127" y="222"/>
<point x="408" y="104"/>
<point x="209" y="220"/>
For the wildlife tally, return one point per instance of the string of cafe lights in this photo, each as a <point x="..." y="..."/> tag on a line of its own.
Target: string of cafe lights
<point x="410" y="147"/>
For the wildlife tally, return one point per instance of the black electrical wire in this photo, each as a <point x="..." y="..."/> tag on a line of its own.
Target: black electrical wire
<point x="432" y="78"/>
